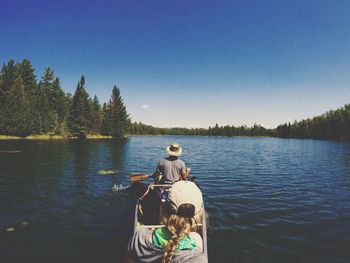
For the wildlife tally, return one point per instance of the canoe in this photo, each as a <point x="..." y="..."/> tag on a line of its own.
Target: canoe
<point x="151" y="221"/>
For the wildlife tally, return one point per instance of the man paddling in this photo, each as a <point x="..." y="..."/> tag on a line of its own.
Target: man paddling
<point x="172" y="168"/>
<point x="169" y="171"/>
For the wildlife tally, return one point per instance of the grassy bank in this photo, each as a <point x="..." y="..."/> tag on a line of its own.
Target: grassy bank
<point x="98" y="136"/>
<point x="7" y="137"/>
<point x="53" y="137"/>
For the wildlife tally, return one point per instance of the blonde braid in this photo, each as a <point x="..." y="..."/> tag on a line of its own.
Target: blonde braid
<point x="178" y="227"/>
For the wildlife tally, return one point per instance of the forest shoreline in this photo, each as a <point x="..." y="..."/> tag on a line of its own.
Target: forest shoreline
<point x="49" y="137"/>
<point x="30" y="106"/>
<point x="53" y="137"/>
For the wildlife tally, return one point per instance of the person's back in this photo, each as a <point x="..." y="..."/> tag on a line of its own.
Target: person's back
<point x="172" y="168"/>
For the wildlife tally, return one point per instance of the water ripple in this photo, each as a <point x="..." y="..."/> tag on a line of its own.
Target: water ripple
<point x="268" y="200"/>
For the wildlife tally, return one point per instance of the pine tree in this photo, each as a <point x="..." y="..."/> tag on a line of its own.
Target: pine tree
<point x="17" y="119"/>
<point x="96" y="115"/>
<point x="44" y="101"/>
<point x="120" y="117"/>
<point x="57" y="97"/>
<point x="57" y="104"/>
<point x="27" y="73"/>
<point x="52" y="104"/>
<point x="80" y="111"/>
<point x="8" y="75"/>
<point x="7" y="78"/>
<point x="106" y="125"/>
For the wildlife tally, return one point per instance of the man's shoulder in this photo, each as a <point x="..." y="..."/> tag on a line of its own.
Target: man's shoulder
<point x="179" y="161"/>
<point x="163" y="161"/>
<point x="171" y="161"/>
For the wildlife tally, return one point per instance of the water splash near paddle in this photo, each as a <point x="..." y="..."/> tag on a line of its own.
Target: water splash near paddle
<point x="118" y="187"/>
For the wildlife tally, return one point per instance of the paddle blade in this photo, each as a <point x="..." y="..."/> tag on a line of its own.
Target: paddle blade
<point x="139" y="177"/>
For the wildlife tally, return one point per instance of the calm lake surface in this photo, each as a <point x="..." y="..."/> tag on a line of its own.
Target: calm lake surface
<point x="269" y="200"/>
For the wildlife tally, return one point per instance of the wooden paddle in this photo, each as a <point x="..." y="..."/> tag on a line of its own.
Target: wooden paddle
<point x="138" y="177"/>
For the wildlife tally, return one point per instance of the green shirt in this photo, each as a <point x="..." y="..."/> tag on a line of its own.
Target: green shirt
<point x="161" y="237"/>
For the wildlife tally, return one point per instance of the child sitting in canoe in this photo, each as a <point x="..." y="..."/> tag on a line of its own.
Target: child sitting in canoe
<point x="178" y="240"/>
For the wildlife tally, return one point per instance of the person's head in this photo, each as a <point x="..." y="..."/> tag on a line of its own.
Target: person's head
<point x="184" y="204"/>
<point x="174" y="150"/>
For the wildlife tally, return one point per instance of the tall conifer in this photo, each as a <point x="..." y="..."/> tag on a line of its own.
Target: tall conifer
<point x="80" y="112"/>
<point x="27" y="73"/>
<point x="106" y="126"/>
<point x="120" y="117"/>
<point x="7" y="78"/>
<point x="17" y="119"/>
<point x="8" y="75"/>
<point x="46" y="112"/>
<point x="96" y="115"/>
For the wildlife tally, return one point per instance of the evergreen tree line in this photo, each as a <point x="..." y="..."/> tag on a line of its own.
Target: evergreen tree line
<point x="28" y="106"/>
<point x="333" y="125"/>
<point x="255" y="130"/>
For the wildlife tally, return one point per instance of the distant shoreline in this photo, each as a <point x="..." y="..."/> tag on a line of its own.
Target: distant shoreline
<point x="96" y="137"/>
<point x="53" y="137"/>
<point x="48" y="137"/>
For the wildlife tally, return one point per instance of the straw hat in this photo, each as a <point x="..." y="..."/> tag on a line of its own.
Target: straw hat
<point x="174" y="149"/>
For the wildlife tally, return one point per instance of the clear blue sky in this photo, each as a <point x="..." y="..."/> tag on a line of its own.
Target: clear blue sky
<point x="191" y="63"/>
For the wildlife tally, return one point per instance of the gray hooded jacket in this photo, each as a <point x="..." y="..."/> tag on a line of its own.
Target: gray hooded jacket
<point x="142" y="249"/>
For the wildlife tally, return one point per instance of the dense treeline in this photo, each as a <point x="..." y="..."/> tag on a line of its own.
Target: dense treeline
<point x="256" y="130"/>
<point x="334" y="125"/>
<point x="29" y="106"/>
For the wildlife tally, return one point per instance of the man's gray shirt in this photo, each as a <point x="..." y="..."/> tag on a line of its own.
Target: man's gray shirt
<point x="171" y="168"/>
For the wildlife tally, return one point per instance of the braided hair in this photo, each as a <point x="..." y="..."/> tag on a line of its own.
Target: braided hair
<point x="179" y="225"/>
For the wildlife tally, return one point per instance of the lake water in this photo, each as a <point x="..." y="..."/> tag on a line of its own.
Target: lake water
<point x="269" y="200"/>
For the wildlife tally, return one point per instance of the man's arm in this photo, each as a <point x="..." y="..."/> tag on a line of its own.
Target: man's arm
<point x="186" y="173"/>
<point x="157" y="177"/>
<point x="157" y="174"/>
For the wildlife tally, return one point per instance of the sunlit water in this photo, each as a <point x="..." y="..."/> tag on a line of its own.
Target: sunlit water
<point x="269" y="200"/>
